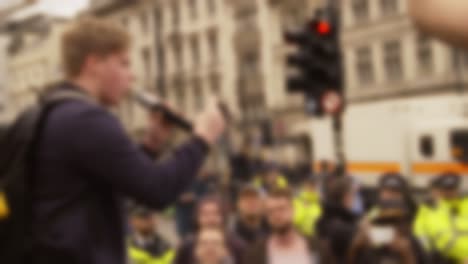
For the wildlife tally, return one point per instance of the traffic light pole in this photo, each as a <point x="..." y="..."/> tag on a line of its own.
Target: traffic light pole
<point x="335" y="6"/>
<point x="339" y="144"/>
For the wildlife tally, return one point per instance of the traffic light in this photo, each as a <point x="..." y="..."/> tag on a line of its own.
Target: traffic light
<point x="317" y="63"/>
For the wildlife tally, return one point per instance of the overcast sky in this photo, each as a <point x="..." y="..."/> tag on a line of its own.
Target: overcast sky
<point x="58" y="7"/>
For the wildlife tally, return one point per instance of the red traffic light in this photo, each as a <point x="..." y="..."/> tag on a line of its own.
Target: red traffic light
<point x="323" y="28"/>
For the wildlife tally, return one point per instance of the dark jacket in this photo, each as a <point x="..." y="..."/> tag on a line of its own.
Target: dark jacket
<point x="186" y="252"/>
<point x="84" y="165"/>
<point x="248" y="235"/>
<point x="258" y="253"/>
<point x="385" y="255"/>
<point x="336" y="229"/>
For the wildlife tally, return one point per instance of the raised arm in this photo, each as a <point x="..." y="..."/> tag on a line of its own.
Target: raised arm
<point x="444" y="19"/>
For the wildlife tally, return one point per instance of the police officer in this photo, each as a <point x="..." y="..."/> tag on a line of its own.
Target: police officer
<point x="394" y="187"/>
<point x="307" y="209"/>
<point x="442" y="223"/>
<point x="145" y="245"/>
<point x="270" y="178"/>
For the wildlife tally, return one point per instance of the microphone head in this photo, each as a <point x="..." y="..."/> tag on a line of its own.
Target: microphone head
<point x="154" y="104"/>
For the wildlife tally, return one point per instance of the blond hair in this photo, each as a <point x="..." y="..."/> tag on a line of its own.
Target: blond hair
<point x="91" y="36"/>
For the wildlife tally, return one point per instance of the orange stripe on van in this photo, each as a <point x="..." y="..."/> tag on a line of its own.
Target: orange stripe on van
<point x="373" y="167"/>
<point x="439" y="167"/>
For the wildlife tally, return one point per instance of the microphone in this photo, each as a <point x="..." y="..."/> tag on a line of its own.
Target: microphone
<point x="152" y="103"/>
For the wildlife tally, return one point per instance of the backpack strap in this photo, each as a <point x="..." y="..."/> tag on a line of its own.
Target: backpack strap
<point x="65" y="95"/>
<point x="46" y="106"/>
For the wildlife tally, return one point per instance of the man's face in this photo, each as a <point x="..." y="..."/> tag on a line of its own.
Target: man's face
<point x="210" y="216"/>
<point x="388" y="194"/>
<point x="270" y="177"/>
<point x="250" y="207"/>
<point x="310" y="187"/>
<point x="448" y="194"/>
<point x="114" y="77"/>
<point x="210" y="247"/>
<point x="144" y="225"/>
<point x="279" y="213"/>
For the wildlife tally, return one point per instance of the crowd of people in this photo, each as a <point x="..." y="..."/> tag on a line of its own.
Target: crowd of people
<point x="325" y="219"/>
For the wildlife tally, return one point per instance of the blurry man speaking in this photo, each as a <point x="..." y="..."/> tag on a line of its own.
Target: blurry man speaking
<point x="85" y="164"/>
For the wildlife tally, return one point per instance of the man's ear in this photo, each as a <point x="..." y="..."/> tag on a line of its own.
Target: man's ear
<point x="92" y="64"/>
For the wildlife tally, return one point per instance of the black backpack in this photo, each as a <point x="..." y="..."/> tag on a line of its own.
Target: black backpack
<point x="17" y="144"/>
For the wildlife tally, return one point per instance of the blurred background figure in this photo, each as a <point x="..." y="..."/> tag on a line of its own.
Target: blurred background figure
<point x="146" y="246"/>
<point x="307" y="207"/>
<point x="205" y="184"/>
<point x="445" y="19"/>
<point x="394" y="187"/>
<point x="442" y="222"/>
<point x="387" y="237"/>
<point x="270" y="178"/>
<point x="210" y="213"/>
<point x="284" y="244"/>
<point x="211" y="247"/>
<point x="338" y="224"/>
<point x="249" y="224"/>
<point x="325" y="169"/>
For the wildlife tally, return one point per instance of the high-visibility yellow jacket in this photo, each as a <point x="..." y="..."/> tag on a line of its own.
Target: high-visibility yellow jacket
<point x="281" y="182"/>
<point x="307" y="211"/>
<point x="443" y="227"/>
<point x="162" y="254"/>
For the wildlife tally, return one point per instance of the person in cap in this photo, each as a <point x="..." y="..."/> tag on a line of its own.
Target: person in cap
<point x="307" y="208"/>
<point x="270" y="178"/>
<point x="442" y="224"/>
<point x="393" y="186"/>
<point x="210" y="213"/>
<point x="145" y="245"/>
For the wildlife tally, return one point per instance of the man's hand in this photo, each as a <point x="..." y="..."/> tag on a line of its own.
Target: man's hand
<point x="158" y="131"/>
<point x="210" y="124"/>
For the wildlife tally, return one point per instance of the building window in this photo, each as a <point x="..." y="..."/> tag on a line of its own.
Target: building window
<point x="179" y="94"/>
<point x="215" y="84"/>
<point x="195" y="46"/>
<point x="424" y="53"/>
<point x="389" y="7"/>
<point x="360" y="10"/>
<point x="146" y="57"/>
<point x="465" y="60"/>
<point x="249" y="63"/>
<point x="393" y="61"/>
<point x="175" y="13"/>
<point x="198" y="94"/>
<point x="144" y="22"/>
<point x="211" y="6"/>
<point x="178" y="56"/>
<point x="192" y="5"/>
<point x="213" y="45"/>
<point x="158" y="19"/>
<point x="364" y="65"/>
